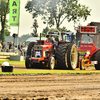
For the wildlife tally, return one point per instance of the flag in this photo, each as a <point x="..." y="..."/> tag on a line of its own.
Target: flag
<point x="14" y="12"/>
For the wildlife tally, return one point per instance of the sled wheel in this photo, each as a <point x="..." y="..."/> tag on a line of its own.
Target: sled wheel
<point x="72" y="56"/>
<point x="82" y="64"/>
<point x="51" y="63"/>
<point x="97" y="58"/>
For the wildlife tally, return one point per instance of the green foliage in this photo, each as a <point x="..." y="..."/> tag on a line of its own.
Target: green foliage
<point x="2" y="37"/>
<point x="35" y="26"/>
<point x="45" y="30"/>
<point x="64" y="29"/>
<point x="56" y="11"/>
<point x="6" y="32"/>
<point x="4" y="10"/>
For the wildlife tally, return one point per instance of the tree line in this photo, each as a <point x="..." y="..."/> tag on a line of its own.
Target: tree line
<point x="52" y="12"/>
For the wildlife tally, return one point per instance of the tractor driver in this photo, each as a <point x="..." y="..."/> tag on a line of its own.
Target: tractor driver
<point x="50" y="39"/>
<point x="89" y="41"/>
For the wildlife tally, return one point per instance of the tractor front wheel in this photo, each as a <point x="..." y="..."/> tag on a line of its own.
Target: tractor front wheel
<point x="51" y="63"/>
<point x="29" y="64"/>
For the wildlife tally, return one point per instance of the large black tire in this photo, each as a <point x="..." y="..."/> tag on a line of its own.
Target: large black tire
<point x="60" y="56"/>
<point x="97" y="58"/>
<point x="64" y="56"/>
<point x="30" y="46"/>
<point x="28" y="63"/>
<point x="72" y="56"/>
<point x="78" y="61"/>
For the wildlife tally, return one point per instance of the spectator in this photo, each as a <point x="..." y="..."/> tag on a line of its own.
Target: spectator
<point x="3" y="45"/>
<point x="89" y="41"/>
<point x="19" y="46"/>
<point x="0" y="44"/>
<point x="13" y="46"/>
<point x="23" y="49"/>
<point x="7" y="47"/>
<point x="10" y="44"/>
<point x="23" y="45"/>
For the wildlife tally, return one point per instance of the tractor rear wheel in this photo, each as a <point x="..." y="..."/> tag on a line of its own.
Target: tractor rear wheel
<point x="29" y="50"/>
<point x="97" y="58"/>
<point x="72" y="56"/>
<point x="51" y="63"/>
<point x="28" y="63"/>
<point x="78" y="61"/>
<point x="67" y="56"/>
<point x="61" y="56"/>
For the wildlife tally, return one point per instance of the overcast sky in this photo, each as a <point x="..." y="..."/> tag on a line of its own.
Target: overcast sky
<point x="26" y="18"/>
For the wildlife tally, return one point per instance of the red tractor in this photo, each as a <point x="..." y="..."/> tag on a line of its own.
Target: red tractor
<point x="88" y="42"/>
<point x="42" y="53"/>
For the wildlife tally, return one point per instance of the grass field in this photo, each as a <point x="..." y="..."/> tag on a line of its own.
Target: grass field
<point x="48" y="72"/>
<point x="14" y="62"/>
<point x="43" y="72"/>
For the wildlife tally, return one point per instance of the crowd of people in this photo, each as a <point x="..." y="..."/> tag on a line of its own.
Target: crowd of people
<point x="10" y="46"/>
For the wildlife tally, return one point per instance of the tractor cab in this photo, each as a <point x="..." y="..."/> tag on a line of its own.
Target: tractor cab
<point x="84" y="42"/>
<point x="88" y="43"/>
<point x="85" y="39"/>
<point x="65" y="36"/>
<point x="68" y="36"/>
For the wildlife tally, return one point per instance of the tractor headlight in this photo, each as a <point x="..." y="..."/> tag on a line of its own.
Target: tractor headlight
<point x="44" y="53"/>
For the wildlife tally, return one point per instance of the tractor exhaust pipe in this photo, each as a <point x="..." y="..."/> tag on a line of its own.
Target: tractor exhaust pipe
<point x="40" y="38"/>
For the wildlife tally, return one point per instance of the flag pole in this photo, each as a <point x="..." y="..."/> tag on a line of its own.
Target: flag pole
<point x="18" y="27"/>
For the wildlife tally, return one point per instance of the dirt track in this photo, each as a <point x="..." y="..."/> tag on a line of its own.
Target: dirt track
<point x="50" y="87"/>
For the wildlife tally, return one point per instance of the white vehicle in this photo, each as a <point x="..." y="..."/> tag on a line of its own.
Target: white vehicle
<point x="32" y="39"/>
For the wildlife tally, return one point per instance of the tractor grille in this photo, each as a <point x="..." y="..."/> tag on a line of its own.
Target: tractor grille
<point x="96" y="42"/>
<point x="38" y="53"/>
